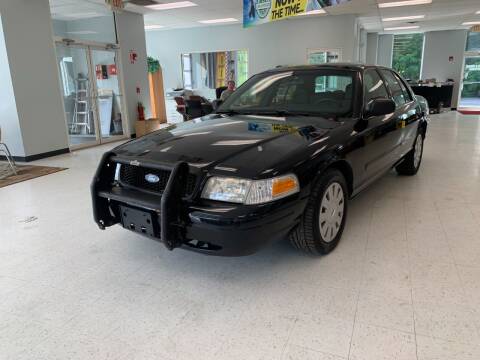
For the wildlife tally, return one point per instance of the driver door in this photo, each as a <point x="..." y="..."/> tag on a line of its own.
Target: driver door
<point x="377" y="135"/>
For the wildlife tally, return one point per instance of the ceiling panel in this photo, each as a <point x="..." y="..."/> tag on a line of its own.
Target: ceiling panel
<point x="439" y="15"/>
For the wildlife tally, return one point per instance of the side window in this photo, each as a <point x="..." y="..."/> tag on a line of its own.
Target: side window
<point x="374" y="87"/>
<point x="405" y="91"/>
<point x="394" y="84"/>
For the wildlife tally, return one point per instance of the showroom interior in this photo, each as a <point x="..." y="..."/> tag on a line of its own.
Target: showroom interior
<point x="85" y="82"/>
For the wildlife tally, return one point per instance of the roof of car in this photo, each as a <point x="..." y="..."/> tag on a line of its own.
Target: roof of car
<point x="347" y="66"/>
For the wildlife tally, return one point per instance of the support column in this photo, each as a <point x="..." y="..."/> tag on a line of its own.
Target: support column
<point x="27" y="29"/>
<point x="131" y="38"/>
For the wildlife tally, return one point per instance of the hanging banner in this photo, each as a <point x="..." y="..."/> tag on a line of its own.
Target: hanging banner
<point x="257" y="12"/>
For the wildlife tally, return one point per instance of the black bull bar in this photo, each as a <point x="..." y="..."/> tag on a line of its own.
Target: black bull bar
<point x="171" y="210"/>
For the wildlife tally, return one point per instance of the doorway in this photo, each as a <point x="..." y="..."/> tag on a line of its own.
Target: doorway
<point x="91" y="89"/>
<point x="323" y="56"/>
<point x="470" y="93"/>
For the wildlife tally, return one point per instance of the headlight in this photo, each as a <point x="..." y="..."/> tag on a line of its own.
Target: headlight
<point x="250" y="192"/>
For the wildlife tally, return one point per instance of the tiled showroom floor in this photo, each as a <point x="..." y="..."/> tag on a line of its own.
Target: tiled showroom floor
<point x="403" y="284"/>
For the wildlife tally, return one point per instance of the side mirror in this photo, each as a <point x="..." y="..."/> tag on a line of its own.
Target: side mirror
<point x="216" y="104"/>
<point x="380" y="106"/>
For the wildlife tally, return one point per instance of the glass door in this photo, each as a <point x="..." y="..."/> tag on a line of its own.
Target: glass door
<point x="470" y="95"/>
<point x="75" y="77"/>
<point x="108" y="95"/>
<point x="93" y="99"/>
<point x="323" y="56"/>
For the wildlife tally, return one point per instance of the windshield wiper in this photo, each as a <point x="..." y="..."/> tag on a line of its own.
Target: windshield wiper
<point x="231" y="112"/>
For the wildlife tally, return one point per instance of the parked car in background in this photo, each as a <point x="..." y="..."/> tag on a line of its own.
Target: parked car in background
<point x="280" y="158"/>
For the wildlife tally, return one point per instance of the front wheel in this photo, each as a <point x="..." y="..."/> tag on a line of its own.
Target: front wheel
<point x="411" y="164"/>
<point x="324" y="218"/>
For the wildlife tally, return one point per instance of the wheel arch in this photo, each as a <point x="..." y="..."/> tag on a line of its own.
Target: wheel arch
<point x="345" y="168"/>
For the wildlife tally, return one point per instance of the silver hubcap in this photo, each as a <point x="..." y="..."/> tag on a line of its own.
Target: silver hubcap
<point x="331" y="212"/>
<point x="417" y="156"/>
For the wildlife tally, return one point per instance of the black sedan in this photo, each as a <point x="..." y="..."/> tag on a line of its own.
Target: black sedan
<point x="279" y="158"/>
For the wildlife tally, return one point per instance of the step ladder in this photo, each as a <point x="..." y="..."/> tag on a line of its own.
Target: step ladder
<point x="81" y="112"/>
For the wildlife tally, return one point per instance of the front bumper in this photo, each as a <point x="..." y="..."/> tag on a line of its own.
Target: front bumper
<point x="208" y="227"/>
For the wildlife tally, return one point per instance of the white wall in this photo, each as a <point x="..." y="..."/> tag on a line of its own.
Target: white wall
<point x="9" y="123"/>
<point x="385" y="50"/>
<point x="131" y="36"/>
<point x="362" y="47"/>
<point x="372" y="48"/>
<point x="279" y="43"/>
<point x="28" y="37"/>
<point x="439" y="46"/>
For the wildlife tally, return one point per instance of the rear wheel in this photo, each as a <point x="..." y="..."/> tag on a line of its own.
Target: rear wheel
<point x="411" y="164"/>
<point x="324" y="218"/>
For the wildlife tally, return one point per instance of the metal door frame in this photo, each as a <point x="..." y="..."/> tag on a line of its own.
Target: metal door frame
<point x="467" y="54"/>
<point x="89" y="47"/>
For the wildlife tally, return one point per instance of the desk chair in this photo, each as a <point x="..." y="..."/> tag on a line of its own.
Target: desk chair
<point x="4" y="150"/>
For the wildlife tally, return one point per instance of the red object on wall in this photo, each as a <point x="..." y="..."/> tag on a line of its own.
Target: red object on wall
<point x="133" y="56"/>
<point x="112" y="69"/>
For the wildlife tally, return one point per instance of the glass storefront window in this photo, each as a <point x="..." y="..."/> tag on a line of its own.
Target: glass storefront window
<point x="473" y="41"/>
<point x="83" y="22"/>
<point x="407" y="55"/>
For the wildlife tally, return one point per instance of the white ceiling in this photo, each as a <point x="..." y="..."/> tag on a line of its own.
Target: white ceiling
<point x="440" y="15"/>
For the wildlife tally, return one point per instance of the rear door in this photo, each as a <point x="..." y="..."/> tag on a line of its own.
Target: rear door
<point x="405" y="114"/>
<point x="412" y="116"/>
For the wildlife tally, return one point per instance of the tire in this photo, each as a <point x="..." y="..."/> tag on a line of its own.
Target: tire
<point x="312" y="235"/>
<point x="412" y="161"/>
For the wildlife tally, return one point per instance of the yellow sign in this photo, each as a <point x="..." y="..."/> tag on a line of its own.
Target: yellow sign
<point x="282" y="9"/>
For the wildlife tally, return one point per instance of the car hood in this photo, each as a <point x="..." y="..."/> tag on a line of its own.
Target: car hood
<point x="229" y="142"/>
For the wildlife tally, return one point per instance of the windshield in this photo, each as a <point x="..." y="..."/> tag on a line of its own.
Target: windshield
<point x="325" y="92"/>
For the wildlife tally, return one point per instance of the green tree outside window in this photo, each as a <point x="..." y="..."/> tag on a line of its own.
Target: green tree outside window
<point x="407" y="55"/>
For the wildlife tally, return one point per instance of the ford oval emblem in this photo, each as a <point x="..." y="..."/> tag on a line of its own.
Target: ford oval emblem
<point x="152" y="179"/>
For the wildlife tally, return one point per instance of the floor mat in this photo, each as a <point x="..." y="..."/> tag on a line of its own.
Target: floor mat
<point x="469" y="111"/>
<point x="25" y="172"/>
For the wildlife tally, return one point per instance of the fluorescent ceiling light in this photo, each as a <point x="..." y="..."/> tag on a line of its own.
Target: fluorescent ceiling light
<point x="404" y="18"/>
<point x="170" y="6"/>
<point x="404" y="3"/>
<point x="471" y="23"/>
<point x="402" y="28"/>
<point x="314" y="12"/>
<point x="82" y="15"/>
<point x="218" y="21"/>
<point x="82" y="32"/>
<point x="153" y="27"/>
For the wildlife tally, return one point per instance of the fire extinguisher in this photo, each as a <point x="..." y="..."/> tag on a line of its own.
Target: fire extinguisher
<point x="141" y="111"/>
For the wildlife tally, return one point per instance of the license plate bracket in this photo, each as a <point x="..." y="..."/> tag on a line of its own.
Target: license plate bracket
<point x="139" y="221"/>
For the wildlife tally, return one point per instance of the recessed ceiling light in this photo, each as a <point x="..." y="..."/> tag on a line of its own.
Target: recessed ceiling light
<point x="218" y="21"/>
<point x="153" y="27"/>
<point x="314" y="12"/>
<point x="402" y="28"/>
<point x="403" y="18"/>
<point x="471" y="23"/>
<point x="173" y="5"/>
<point x="478" y="12"/>
<point x="404" y="3"/>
